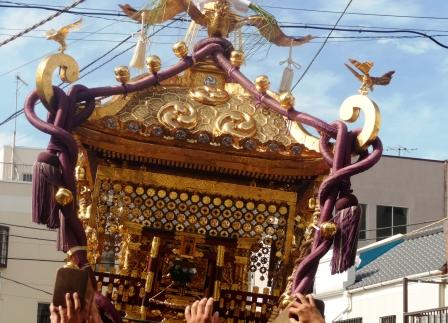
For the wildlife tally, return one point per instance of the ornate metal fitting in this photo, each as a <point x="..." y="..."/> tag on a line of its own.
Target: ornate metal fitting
<point x="122" y="74"/>
<point x="64" y="196"/>
<point x="286" y="100"/>
<point x="180" y="49"/>
<point x="237" y="58"/>
<point x="262" y="83"/>
<point x="328" y="230"/>
<point x="154" y="63"/>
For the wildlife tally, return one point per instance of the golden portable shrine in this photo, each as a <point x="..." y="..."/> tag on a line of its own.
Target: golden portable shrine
<point x="193" y="181"/>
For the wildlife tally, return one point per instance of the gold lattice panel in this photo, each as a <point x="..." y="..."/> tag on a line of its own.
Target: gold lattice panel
<point x="173" y="203"/>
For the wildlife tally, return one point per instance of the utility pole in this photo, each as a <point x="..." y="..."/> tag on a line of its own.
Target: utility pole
<point x="19" y="81"/>
<point x="401" y="149"/>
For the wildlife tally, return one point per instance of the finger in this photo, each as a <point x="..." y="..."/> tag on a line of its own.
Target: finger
<point x="294" y="311"/>
<point x="63" y="314"/>
<point x="194" y="309"/>
<point x="69" y="305"/>
<point x="302" y="298"/>
<point x="311" y="299"/>
<point x="209" y="307"/>
<point x="188" y="313"/>
<point x="201" y="306"/>
<point x="215" y="318"/>
<point x="77" y="302"/>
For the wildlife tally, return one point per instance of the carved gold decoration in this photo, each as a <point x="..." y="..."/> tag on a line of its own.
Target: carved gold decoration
<point x="262" y="83"/>
<point x="349" y="112"/>
<point x="286" y="100"/>
<point x="64" y="196"/>
<point x="300" y="134"/>
<point x="220" y="251"/>
<point x="154" y="63"/>
<point x="236" y="123"/>
<point x="180" y="49"/>
<point x="367" y="81"/>
<point x="236" y="58"/>
<point x="68" y="73"/>
<point x="178" y="115"/>
<point x="122" y="74"/>
<point x="209" y="95"/>
<point x="61" y="34"/>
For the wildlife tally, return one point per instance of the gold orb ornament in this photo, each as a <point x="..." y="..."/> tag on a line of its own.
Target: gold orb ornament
<point x="262" y="83"/>
<point x="236" y="58"/>
<point x="154" y="63"/>
<point x="63" y="196"/>
<point x="286" y="100"/>
<point x="180" y="49"/>
<point x="328" y="230"/>
<point x="122" y="74"/>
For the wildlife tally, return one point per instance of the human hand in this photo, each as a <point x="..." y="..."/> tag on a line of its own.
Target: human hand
<point x="201" y="312"/>
<point x="305" y="310"/>
<point x="70" y="314"/>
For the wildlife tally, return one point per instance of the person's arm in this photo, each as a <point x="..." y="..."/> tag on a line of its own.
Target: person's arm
<point x="201" y="312"/>
<point x="305" y="310"/>
<point x="72" y="313"/>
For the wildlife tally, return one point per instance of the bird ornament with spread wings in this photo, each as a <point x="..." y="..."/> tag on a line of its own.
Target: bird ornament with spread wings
<point x="61" y="34"/>
<point x="367" y="81"/>
<point x="218" y="16"/>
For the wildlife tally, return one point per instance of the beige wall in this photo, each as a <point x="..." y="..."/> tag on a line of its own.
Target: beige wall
<point x="23" y="160"/>
<point x="416" y="184"/>
<point x="19" y="303"/>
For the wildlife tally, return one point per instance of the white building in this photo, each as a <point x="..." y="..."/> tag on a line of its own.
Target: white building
<point x="28" y="256"/>
<point x="376" y="290"/>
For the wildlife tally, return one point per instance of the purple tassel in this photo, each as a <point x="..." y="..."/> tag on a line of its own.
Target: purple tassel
<point x="107" y="309"/>
<point x="346" y="239"/>
<point x="46" y="179"/>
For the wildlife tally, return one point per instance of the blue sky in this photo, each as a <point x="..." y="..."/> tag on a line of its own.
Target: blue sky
<point x="413" y="107"/>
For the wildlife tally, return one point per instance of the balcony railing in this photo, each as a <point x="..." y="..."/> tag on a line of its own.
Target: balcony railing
<point x="15" y="172"/>
<point x="435" y="315"/>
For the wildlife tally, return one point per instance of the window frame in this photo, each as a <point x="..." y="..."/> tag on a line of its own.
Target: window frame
<point x="362" y="232"/>
<point x="43" y="309"/>
<point x="352" y="320"/>
<point x="4" y="246"/>
<point x="388" y="319"/>
<point x="392" y="227"/>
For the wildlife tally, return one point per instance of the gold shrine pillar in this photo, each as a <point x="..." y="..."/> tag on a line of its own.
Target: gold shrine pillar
<point x="151" y="268"/>
<point x="220" y="251"/>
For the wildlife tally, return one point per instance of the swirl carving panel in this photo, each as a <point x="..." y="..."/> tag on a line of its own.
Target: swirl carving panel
<point x="178" y="115"/>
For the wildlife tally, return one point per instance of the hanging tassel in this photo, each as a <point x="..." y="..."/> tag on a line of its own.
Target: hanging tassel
<point x="46" y="180"/>
<point x="346" y="239"/>
<point x="288" y="73"/>
<point x="138" y="58"/>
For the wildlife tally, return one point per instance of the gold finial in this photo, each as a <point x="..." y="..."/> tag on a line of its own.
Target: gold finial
<point x="122" y="74"/>
<point x="367" y="81"/>
<point x="180" y="49"/>
<point x="328" y="230"/>
<point x="64" y="196"/>
<point x="61" y="34"/>
<point x="262" y="83"/>
<point x="237" y="58"/>
<point x="287" y="100"/>
<point x="154" y="63"/>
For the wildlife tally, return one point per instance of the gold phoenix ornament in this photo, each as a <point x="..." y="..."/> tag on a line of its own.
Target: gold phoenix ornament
<point x="367" y="81"/>
<point x="218" y="18"/>
<point x="60" y="35"/>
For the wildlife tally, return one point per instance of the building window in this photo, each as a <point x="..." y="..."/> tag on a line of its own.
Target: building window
<point x="4" y="238"/>
<point x="353" y="320"/>
<point x="43" y="313"/>
<point x="388" y="319"/>
<point x="27" y="177"/>
<point x="362" y="222"/>
<point x="390" y="220"/>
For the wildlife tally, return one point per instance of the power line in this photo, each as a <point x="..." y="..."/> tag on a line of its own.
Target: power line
<point x="27" y="30"/>
<point x="26" y="227"/>
<point x="360" y="13"/>
<point x="32" y="238"/>
<point x="26" y="285"/>
<point x="322" y="46"/>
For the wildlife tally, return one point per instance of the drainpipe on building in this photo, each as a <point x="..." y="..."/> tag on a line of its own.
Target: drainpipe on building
<point x="347" y="309"/>
<point x="445" y="188"/>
